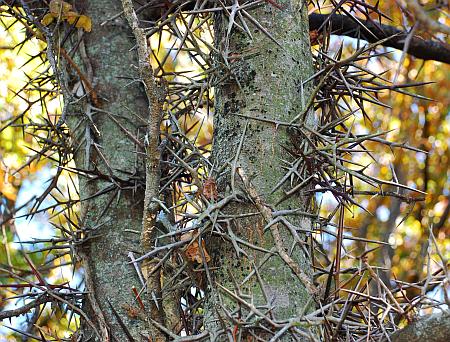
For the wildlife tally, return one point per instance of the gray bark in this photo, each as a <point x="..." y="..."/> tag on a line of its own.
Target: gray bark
<point x="109" y="276"/>
<point x="432" y="328"/>
<point x="265" y="83"/>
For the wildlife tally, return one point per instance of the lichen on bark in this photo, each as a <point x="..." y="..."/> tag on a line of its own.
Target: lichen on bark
<point x="264" y="82"/>
<point x="113" y="218"/>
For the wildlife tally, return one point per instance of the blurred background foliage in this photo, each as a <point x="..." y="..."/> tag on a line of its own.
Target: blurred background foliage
<point x="23" y="178"/>
<point x="405" y="227"/>
<point x="424" y="124"/>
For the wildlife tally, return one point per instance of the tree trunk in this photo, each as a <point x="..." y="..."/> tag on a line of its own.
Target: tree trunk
<point x="113" y="220"/>
<point x="264" y="88"/>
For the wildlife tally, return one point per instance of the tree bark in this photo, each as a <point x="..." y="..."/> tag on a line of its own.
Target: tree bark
<point x="432" y="328"/>
<point x="265" y="82"/>
<point x="113" y="219"/>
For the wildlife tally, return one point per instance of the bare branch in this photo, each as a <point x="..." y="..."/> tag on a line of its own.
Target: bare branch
<point x="372" y="32"/>
<point x="432" y="328"/>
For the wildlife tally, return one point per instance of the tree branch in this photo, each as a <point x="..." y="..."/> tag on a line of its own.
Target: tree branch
<point x="342" y="25"/>
<point x="346" y="26"/>
<point x="432" y="328"/>
<point x="25" y="308"/>
<point x="153" y="175"/>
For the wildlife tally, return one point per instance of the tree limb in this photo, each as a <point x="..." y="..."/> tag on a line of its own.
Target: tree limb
<point x="342" y="25"/>
<point x="25" y="308"/>
<point x="432" y="328"/>
<point x="152" y="177"/>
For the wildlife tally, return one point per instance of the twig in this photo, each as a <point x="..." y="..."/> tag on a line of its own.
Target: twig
<point x="152" y="162"/>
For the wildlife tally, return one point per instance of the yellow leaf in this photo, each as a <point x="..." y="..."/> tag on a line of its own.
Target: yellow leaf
<point x="8" y="191"/>
<point x="48" y="19"/>
<point x="38" y="35"/>
<point x="85" y="23"/>
<point x="71" y="17"/>
<point x="58" y="7"/>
